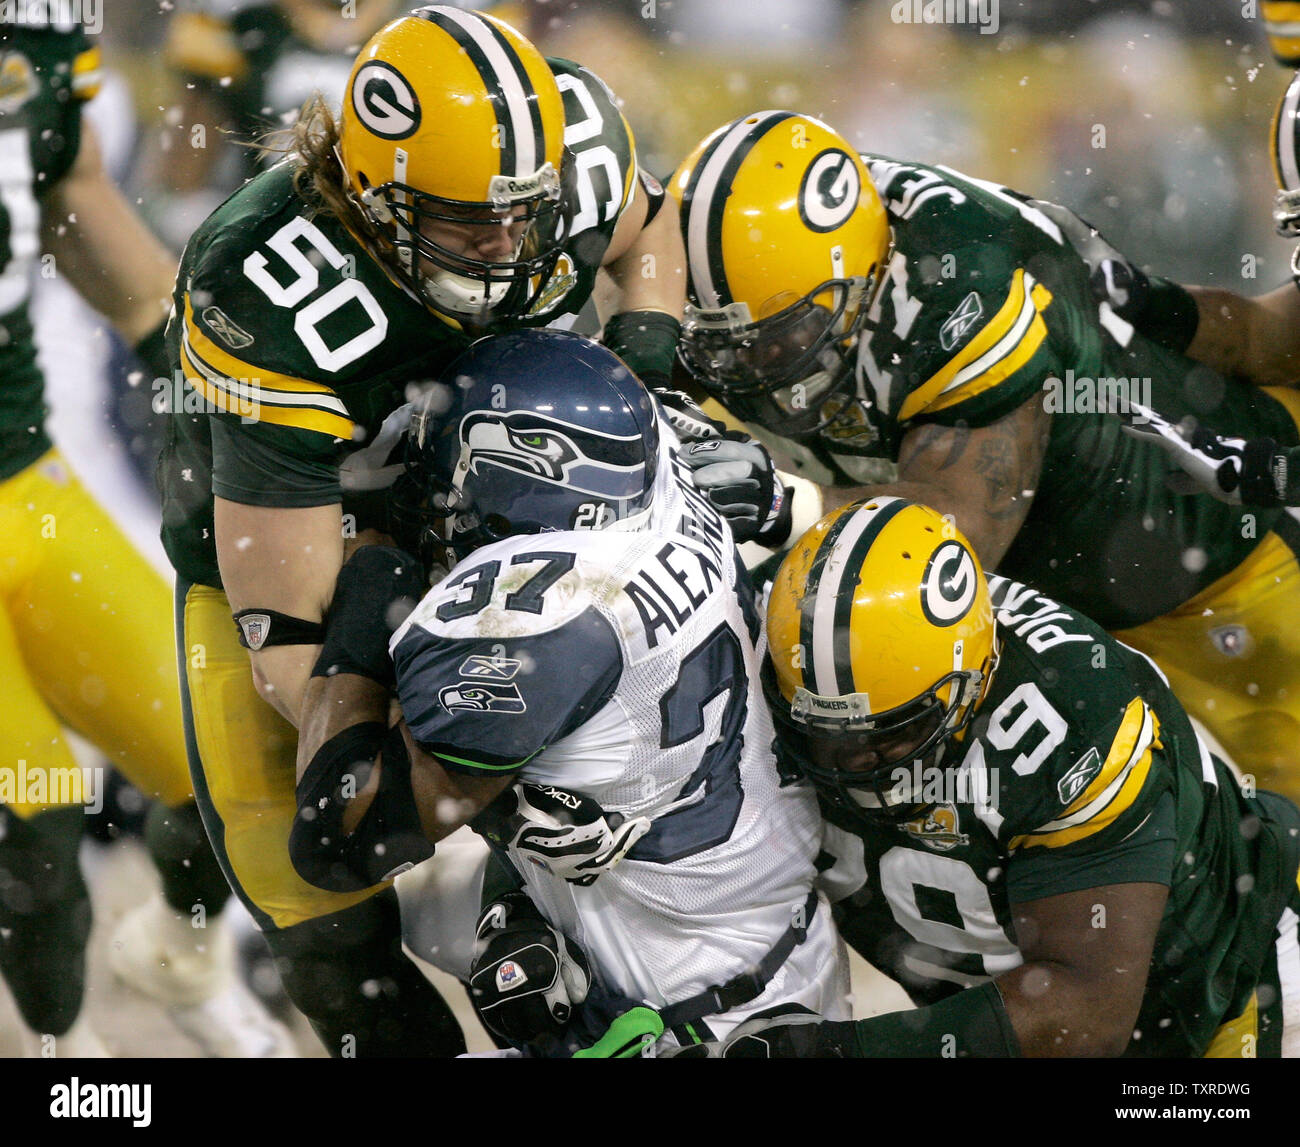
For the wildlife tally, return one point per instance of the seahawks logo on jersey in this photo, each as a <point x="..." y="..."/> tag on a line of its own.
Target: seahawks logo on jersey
<point x="553" y="451"/>
<point x="481" y="697"/>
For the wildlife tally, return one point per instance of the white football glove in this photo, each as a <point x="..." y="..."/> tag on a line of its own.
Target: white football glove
<point x="1234" y="470"/>
<point x="568" y="834"/>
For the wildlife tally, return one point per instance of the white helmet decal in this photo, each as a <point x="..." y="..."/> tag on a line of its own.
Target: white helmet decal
<point x="949" y="587"/>
<point x="384" y="101"/>
<point x="829" y="193"/>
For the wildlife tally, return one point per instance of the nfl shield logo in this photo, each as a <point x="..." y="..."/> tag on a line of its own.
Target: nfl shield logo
<point x="255" y="627"/>
<point x="509" y="976"/>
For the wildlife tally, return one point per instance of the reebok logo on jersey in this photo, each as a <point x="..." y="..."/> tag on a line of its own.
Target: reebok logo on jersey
<point x="1080" y="773"/>
<point x="958" y="324"/>
<point x="480" y="697"/>
<point x="225" y="328"/>
<point x="489" y="668"/>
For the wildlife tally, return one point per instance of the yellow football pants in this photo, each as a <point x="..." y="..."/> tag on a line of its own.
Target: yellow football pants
<point x="243" y="761"/>
<point x="84" y="643"/>
<point x="1232" y="653"/>
<point x="1232" y="656"/>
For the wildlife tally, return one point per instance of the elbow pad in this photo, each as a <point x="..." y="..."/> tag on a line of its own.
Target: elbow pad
<point x="386" y="841"/>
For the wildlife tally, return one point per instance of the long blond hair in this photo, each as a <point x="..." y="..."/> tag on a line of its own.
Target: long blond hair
<point x="318" y="175"/>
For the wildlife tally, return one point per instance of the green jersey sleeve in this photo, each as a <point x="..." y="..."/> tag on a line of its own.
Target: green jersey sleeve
<point x="960" y="329"/>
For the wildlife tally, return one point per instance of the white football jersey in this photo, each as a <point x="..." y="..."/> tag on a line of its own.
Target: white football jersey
<point x="624" y="665"/>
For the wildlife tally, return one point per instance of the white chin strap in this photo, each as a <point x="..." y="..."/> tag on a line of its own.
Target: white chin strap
<point x="461" y="295"/>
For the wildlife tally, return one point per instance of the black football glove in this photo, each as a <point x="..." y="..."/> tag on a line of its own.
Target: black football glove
<point x="794" y="1035"/>
<point x="1239" y="471"/>
<point x="526" y="978"/>
<point x="377" y="588"/>
<point x="739" y="477"/>
<point x="562" y="832"/>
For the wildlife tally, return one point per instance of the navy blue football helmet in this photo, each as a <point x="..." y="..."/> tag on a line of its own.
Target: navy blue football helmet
<point x="546" y="430"/>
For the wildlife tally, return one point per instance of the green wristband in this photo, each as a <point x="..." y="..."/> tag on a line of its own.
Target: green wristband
<point x="152" y="352"/>
<point x="646" y="341"/>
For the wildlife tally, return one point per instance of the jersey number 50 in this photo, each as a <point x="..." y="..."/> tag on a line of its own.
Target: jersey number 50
<point x="348" y="290"/>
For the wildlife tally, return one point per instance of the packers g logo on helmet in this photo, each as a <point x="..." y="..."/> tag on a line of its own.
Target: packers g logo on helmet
<point x="830" y="190"/>
<point x="951" y="584"/>
<point x="882" y="637"/>
<point x="384" y="101"/>
<point x="785" y="236"/>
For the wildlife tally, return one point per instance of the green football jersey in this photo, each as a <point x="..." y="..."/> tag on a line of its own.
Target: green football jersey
<point x="1080" y="770"/>
<point x="985" y="307"/>
<point x="295" y="345"/>
<point x="45" y="75"/>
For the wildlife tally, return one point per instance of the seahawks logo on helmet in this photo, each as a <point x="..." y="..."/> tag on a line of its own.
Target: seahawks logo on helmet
<point x="384" y="101"/>
<point x="830" y="189"/>
<point x="950" y="584"/>
<point x="553" y="451"/>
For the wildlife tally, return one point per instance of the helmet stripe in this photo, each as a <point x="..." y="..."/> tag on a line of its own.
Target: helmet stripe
<point x="506" y="82"/>
<point x="1284" y="139"/>
<point x="530" y="100"/>
<point x="828" y="603"/>
<point x="710" y="184"/>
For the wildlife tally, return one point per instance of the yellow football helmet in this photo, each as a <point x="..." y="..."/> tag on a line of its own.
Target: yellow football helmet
<point x="453" y="129"/>
<point x="785" y="236"/>
<point x="1284" y="145"/>
<point x="881" y="643"/>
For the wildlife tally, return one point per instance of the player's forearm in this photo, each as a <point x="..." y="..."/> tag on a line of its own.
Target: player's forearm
<point x="1058" y="1011"/>
<point x="1254" y="338"/>
<point x="990" y="519"/>
<point x="107" y="253"/>
<point x="651" y="274"/>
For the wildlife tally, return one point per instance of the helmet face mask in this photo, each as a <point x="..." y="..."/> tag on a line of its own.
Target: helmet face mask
<point x="792" y="371"/>
<point x="435" y="245"/>
<point x="1284" y="144"/>
<point x="868" y="767"/>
